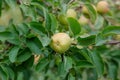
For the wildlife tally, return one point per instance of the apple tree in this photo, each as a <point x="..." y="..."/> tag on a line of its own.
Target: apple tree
<point x="59" y="39"/>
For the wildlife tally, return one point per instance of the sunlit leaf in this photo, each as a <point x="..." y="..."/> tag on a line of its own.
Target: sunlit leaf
<point x="74" y="26"/>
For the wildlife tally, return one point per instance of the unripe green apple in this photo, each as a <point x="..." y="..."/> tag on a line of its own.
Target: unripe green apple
<point x="71" y="13"/>
<point x="60" y="42"/>
<point x="14" y="14"/>
<point x="5" y="18"/>
<point x="83" y="20"/>
<point x="117" y="37"/>
<point x="85" y="10"/>
<point x="103" y="7"/>
<point x="62" y="19"/>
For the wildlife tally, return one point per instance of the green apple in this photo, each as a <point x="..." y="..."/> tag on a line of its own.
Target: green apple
<point x="60" y="42"/>
<point x="62" y="19"/>
<point x="71" y="13"/>
<point x="85" y="10"/>
<point x="13" y="13"/>
<point x="83" y="20"/>
<point x="5" y="18"/>
<point x="117" y="37"/>
<point x="16" y="15"/>
<point x="103" y="7"/>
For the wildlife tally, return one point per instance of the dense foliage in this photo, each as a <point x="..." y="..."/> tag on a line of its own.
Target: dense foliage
<point x="27" y="28"/>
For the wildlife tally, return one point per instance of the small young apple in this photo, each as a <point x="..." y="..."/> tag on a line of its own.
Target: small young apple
<point x="71" y="13"/>
<point x="83" y="20"/>
<point x="14" y="14"/>
<point x="117" y="37"/>
<point x="62" y="19"/>
<point x="85" y="10"/>
<point x="60" y="42"/>
<point x="103" y="7"/>
<point x="5" y="18"/>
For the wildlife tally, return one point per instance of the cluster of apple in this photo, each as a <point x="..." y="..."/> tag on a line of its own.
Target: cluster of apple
<point x="102" y="8"/>
<point x="61" y="41"/>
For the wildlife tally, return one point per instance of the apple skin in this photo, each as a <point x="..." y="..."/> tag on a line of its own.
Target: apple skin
<point x="85" y="10"/>
<point x="117" y="37"/>
<point x="103" y="7"/>
<point x="83" y="20"/>
<point x="71" y="13"/>
<point x="60" y="42"/>
<point x="5" y="18"/>
<point x="14" y="14"/>
<point x="62" y="19"/>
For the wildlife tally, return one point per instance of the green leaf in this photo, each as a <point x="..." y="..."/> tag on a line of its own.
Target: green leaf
<point x="22" y="29"/>
<point x="54" y="23"/>
<point x="5" y="70"/>
<point x="0" y="7"/>
<point x="68" y="62"/>
<point x="33" y="46"/>
<point x="100" y="39"/>
<point x="42" y="64"/>
<point x="71" y="77"/>
<point x="12" y="29"/>
<point x="74" y="26"/>
<point x="111" y="30"/>
<point x="6" y="35"/>
<point x="87" y="40"/>
<point x="11" y="73"/>
<point x="37" y="27"/>
<point x="97" y="62"/>
<point x="41" y="33"/>
<point x="86" y="0"/>
<point x="99" y="22"/>
<point x="102" y="36"/>
<point x="44" y="40"/>
<point x="15" y="41"/>
<point x="10" y="3"/>
<point x="61" y="70"/>
<point x="40" y="8"/>
<point x="92" y="12"/>
<point x="20" y="75"/>
<point x="85" y="53"/>
<point x="3" y="75"/>
<point x="112" y="70"/>
<point x="47" y="19"/>
<point x="84" y="64"/>
<point x="24" y="55"/>
<point x="28" y="11"/>
<point x="29" y="62"/>
<point x="8" y="71"/>
<point x="13" y="53"/>
<point x="114" y="53"/>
